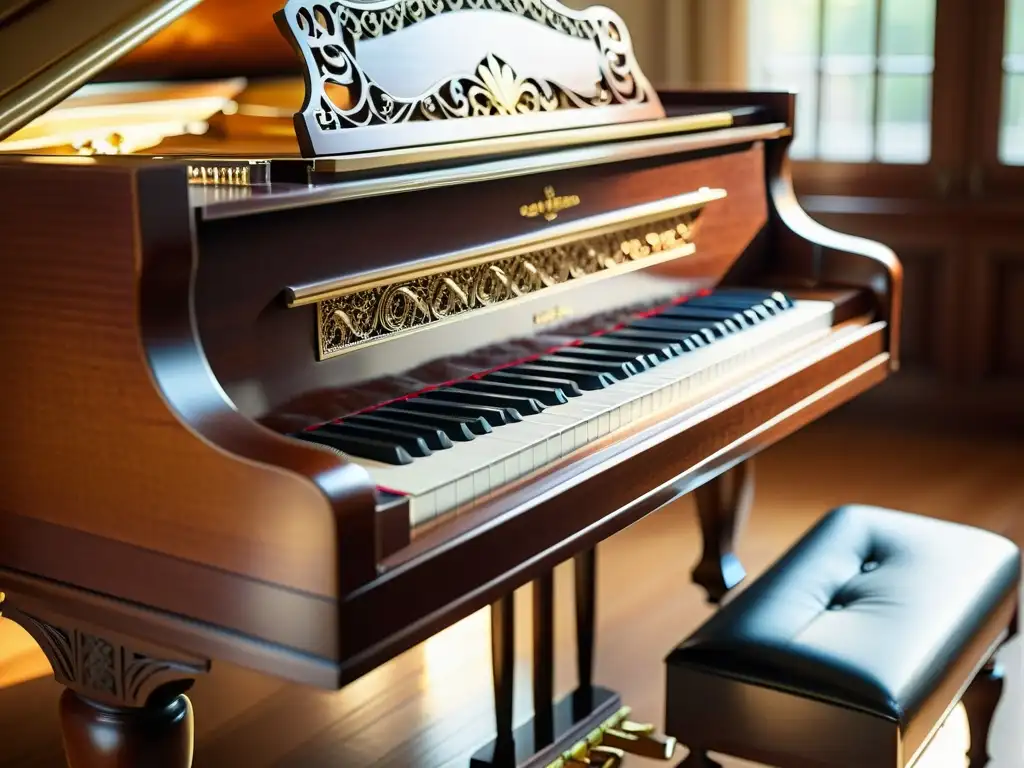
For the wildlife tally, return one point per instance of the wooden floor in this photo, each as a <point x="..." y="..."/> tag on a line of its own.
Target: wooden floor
<point x="431" y="707"/>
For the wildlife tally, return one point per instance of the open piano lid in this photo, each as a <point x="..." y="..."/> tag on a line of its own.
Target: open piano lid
<point x="379" y="74"/>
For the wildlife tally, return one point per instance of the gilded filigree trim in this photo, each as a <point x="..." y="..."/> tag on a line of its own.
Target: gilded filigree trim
<point x="374" y="314"/>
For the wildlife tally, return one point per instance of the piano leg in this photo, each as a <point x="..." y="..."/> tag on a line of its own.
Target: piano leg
<point x="124" y="702"/>
<point x="158" y="735"/>
<point x="723" y="505"/>
<point x="556" y="726"/>
<point x="585" y="565"/>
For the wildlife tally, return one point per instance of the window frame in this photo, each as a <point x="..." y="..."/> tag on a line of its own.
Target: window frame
<point x="988" y="176"/>
<point x="944" y="174"/>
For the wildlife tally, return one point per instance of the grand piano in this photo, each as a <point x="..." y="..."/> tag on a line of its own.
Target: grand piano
<point x="326" y="325"/>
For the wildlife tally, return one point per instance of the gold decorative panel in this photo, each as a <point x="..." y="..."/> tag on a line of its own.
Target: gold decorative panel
<point x="384" y="311"/>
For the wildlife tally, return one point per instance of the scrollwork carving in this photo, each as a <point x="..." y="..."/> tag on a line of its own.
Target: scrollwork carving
<point x="102" y="668"/>
<point x="342" y="94"/>
<point x="377" y="313"/>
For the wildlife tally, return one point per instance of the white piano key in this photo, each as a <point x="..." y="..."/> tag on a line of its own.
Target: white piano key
<point x="455" y="477"/>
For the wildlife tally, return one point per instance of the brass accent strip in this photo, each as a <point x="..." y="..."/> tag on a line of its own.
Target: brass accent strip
<point x="546" y="237"/>
<point x="383" y="310"/>
<point x="538" y="142"/>
<point x="492" y="170"/>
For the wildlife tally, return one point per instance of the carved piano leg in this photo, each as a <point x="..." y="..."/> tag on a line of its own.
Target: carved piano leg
<point x="157" y="735"/>
<point x="124" y="703"/>
<point x="723" y="506"/>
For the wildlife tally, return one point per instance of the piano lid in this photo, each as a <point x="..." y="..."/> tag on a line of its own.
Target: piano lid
<point x="379" y="74"/>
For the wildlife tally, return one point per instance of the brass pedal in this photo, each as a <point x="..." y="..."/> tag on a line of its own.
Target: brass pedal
<point x="608" y="744"/>
<point x="639" y="739"/>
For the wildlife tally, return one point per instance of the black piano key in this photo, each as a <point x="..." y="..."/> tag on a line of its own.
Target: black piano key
<point x="688" y="342"/>
<point x="523" y="405"/>
<point x="734" y="321"/>
<point x="756" y="294"/>
<point x="496" y="417"/>
<point x="546" y="395"/>
<point x="584" y="380"/>
<point x="662" y="350"/>
<point x="458" y="428"/>
<point x="565" y="386"/>
<point x="710" y="330"/>
<point x="618" y="370"/>
<point x="641" y="361"/>
<point x="435" y="438"/>
<point x="759" y="308"/>
<point x="753" y="311"/>
<point x="415" y="445"/>
<point x="361" y="447"/>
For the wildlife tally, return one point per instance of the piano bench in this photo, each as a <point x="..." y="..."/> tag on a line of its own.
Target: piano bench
<point x="853" y="648"/>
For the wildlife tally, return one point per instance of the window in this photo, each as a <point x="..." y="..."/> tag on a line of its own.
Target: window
<point x="862" y="70"/>
<point x="1011" y="129"/>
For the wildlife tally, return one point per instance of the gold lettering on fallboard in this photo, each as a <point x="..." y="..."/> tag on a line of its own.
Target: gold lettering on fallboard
<point x="550" y="206"/>
<point x="408" y="303"/>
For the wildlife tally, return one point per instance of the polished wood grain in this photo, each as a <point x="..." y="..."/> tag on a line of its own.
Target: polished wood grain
<point x="217" y="38"/>
<point x="113" y="293"/>
<point x="432" y="706"/>
<point x="252" y="340"/>
<point x="160" y="735"/>
<point x="136" y="472"/>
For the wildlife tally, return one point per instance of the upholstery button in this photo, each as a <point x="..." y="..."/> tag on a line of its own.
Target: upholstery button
<point x="835" y="606"/>
<point x="869" y="566"/>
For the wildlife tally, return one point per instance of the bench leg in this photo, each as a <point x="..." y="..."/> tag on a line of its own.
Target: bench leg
<point x="980" y="702"/>
<point x="723" y="505"/>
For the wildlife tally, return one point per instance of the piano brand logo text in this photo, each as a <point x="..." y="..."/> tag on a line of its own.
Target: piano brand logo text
<point x="550" y="206"/>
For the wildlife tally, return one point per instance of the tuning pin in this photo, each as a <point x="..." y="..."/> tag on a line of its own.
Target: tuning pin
<point x="639" y="739"/>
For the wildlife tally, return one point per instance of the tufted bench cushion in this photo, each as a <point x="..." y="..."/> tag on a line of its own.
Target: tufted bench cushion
<point x="852" y="648"/>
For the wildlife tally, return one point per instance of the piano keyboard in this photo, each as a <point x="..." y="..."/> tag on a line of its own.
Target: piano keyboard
<point x="446" y="447"/>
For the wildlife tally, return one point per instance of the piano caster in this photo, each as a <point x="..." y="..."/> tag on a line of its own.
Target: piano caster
<point x="158" y="735"/>
<point x="723" y="505"/>
<point x="123" y="704"/>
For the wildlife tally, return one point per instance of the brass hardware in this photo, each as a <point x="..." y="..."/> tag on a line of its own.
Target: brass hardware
<point x="553" y="315"/>
<point x="550" y="206"/>
<point x="612" y="222"/>
<point x="640" y="739"/>
<point x="226" y="176"/>
<point x="384" y="311"/>
<point x="605" y="757"/>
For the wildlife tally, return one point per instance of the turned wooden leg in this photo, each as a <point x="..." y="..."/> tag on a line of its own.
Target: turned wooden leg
<point x="723" y="505"/>
<point x="124" y="703"/>
<point x="980" y="702"/>
<point x="158" y="735"/>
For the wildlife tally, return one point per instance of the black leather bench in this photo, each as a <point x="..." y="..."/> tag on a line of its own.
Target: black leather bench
<point x="853" y="648"/>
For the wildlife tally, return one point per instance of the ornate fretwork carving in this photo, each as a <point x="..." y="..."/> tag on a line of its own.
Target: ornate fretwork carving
<point x="100" y="668"/>
<point x="376" y="313"/>
<point x="342" y="94"/>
